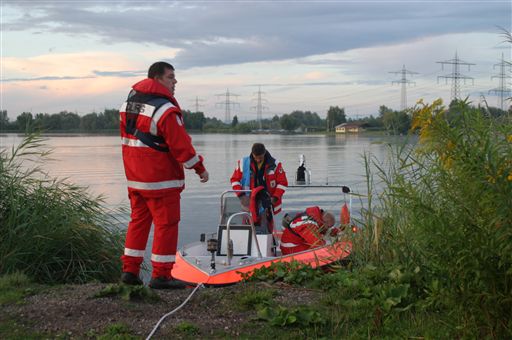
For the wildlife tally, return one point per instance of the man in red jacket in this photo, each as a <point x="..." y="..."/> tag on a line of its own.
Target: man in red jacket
<point x="156" y="147"/>
<point x="306" y="231"/>
<point x="260" y="170"/>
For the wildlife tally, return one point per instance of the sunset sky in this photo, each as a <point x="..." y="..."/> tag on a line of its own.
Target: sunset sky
<point x="83" y="56"/>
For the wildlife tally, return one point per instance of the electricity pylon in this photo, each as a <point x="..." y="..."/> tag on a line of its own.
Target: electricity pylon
<point x="228" y="104"/>
<point x="502" y="90"/>
<point x="259" y="106"/>
<point x="404" y="81"/>
<point x="197" y="105"/>
<point x="455" y="76"/>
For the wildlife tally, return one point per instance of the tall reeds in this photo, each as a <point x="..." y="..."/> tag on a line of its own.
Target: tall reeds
<point x="446" y="209"/>
<point x="51" y="230"/>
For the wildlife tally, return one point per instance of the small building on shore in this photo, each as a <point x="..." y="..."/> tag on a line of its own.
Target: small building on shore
<point x="349" y="128"/>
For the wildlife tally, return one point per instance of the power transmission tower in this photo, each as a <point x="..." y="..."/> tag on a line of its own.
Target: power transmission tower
<point x="197" y="105"/>
<point x="502" y="89"/>
<point x="228" y="103"/>
<point x="259" y="106"/>
<point x="455" y="76"/>
<point x="404" y="81"/>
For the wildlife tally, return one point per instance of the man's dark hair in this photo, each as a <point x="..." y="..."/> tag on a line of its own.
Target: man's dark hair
<point x="258" y="149"/>
<point x="158" y="69"/>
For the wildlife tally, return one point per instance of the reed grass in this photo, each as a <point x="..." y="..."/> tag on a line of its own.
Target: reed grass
<point x="51" y="230"/>
<point x="446" y="209"/>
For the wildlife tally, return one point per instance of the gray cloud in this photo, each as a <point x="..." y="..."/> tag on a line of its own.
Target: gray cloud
<point x="44" y="78"/>
<point x="121" y="74"/>
<point x="323" y="83"/>
<point x="221" y="33"/>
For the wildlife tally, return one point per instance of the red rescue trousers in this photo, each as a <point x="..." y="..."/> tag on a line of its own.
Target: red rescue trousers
<point x="164" y="212"/>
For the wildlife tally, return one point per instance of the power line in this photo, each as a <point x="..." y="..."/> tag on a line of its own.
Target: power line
<point x="404" y="81"/>
<point x="197" y="105"/>
<point x="502" y="89"/>
<point x="259" y="106"/>
<point x="455" y="76"/>
<point x="228" y="104"/>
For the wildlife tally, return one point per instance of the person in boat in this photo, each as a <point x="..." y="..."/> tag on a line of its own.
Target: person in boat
<point x="156" y="147"/>
<point x="264" y="176"/>
<point x="306" y="230"/>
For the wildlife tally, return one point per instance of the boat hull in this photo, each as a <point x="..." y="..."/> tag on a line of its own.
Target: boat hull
<point x="195" y="268"/>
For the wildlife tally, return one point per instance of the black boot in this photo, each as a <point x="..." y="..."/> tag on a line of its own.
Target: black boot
<point x="163" y="282"/>
<point x="130" y="279"/>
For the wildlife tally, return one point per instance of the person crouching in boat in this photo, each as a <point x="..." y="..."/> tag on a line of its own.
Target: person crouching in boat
<point x="306" y="230"/>
<point x="260" y="169"/>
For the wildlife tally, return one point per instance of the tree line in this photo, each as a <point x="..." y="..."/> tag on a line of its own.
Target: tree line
<point x="388" y="120"/>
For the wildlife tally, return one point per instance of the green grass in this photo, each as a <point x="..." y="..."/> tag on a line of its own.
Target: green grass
<point x="187" y="329"/>
<point x="14" y="287"/>
<point x="129" y="293"/>
<point x="253" y="297"/>
<point x="117" y="331"/>
<point x="51" y="230"/>
<point x="12" y="329"/>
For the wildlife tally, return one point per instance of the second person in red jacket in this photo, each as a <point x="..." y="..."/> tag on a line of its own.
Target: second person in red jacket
<point x="260" y="169"/>
<point x="306" y="231"/>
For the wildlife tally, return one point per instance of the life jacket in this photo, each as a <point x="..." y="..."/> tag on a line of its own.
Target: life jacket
<point x="144" y="104"/>
<point x="148" y="171"/>
<point x="312" y="214"/>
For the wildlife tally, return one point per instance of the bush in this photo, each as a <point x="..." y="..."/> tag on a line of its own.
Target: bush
<point x="446" y="207"/>
<point x="50" y="230"/>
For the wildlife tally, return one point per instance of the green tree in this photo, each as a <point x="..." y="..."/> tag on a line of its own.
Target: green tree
<point x="193" y="120"/>
<point x="89" y="122"/>
<point x="335" y="116"/>
<point x="289" y="122"/>
<point x="25" y="121"/>
<point x="4" y="120"/>
<point x="395" y="122"/>
<point x="111" y="119"/>
<point x="235" y="121"/>
<point x="69" y="121"/>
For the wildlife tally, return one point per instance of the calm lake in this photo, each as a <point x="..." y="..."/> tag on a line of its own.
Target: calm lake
<point x="95" y="161"/>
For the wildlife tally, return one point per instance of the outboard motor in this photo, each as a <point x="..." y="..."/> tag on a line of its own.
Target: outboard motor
<point x="303" y="175"/>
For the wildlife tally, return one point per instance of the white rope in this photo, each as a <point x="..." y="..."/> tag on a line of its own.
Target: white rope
<point x="173" y="311"/>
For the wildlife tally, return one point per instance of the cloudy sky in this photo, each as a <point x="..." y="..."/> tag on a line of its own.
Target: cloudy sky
<point x="83" y="56"/>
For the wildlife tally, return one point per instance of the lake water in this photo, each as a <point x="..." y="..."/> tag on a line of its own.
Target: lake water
<point x="95" y="161"/>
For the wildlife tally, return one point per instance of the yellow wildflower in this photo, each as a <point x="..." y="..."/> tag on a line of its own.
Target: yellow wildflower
<point x="450" y="145"/>
<point x="509" y="138"/>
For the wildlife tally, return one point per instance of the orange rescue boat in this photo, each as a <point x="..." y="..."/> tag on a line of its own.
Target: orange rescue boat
<point x="240" y="247"/>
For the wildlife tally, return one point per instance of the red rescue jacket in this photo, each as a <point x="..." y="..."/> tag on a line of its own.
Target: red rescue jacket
<point x="274" y="175"/>
<point x="148" y="171"/>
<point x="306" y="232"/>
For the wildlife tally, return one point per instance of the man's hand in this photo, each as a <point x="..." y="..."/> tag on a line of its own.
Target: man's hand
<point x="204" y="176"/>
<point x="273" y="200"/>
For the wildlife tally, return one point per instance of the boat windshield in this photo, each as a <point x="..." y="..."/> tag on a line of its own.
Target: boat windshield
<point x="231" y="205"/>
